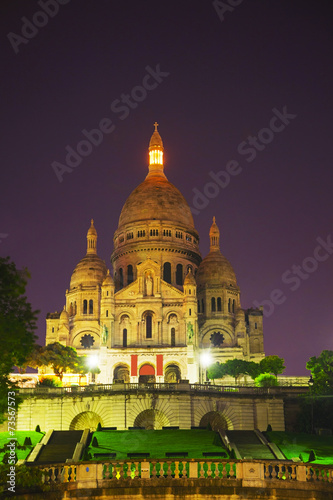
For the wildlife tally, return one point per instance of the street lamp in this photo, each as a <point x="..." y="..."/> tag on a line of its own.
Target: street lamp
<point x="206" y="360"/>
<point x="310" y="384"/>
<point x="92" y="362"/>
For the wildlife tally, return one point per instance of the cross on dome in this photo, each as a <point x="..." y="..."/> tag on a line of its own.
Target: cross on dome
<point x="155" y="125"/>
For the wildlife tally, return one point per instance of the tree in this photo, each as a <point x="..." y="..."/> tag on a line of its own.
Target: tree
<point x="235" y="368"/>
<point x="272" y="364"/>
<point x="216" y="371"/>
<point x="321" y="368"/>
<point x="59" y="357"/>
<point x="266" y="380"/>
<point x="17" y="325"/>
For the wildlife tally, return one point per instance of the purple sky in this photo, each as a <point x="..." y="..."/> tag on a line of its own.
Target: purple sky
<point x="225" y="78"/>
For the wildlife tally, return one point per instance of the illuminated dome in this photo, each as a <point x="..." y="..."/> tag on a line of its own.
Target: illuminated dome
<point x="215" y="269"/>
<point x="156" y="198"/>
<point x="91" y="270"/>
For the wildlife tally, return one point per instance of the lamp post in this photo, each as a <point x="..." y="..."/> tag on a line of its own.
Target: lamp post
<point x="205" y="361"/>
<point x="93" y="365"/>
<point x="310" y="383"/>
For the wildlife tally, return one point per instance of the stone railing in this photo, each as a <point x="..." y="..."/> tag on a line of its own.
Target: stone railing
<point x="251" y="473"/>
<point x="182" y="387"/>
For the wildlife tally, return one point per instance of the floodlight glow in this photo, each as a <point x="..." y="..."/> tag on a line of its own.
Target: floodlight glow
<point x="206" y="359"/>
<point x="92" y="361"/>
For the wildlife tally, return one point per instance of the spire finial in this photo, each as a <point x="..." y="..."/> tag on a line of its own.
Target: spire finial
<point x="214" y="235"/>
<point x="92" y="238"/>
<point x="156" y="153"/>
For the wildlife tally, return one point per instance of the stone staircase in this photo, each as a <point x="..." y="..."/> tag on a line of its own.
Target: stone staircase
<point x="250" y="445"/>
<point x="59" y="448"/>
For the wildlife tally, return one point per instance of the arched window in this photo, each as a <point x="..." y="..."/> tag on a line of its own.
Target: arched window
<point x="219" y="304"/>
<point x="190" y="312"/>
<point x="107" y="313"/>
<point x="125" y="337"/>
<point x="198" y="306"/>
<point x="173" y="337"/>
<point x="91" y="307"/>
<point x="179" y="274"/>
<point x="229" y="305"/>
<point x="85" y="306"/>
<point x="75" y="308"/>
<point x="233" y="306"/>
<point x="255" y="326"/>
<point x="167" y="272"/>
<point x="71" y="309"/>
<point x="213" y="304"/>
<point x="121" y="278"/>
<point x="129" y="274"/>
<point x="148" y="326"/>
<point x="52" y="329"/>
<point x="203" y="305"/>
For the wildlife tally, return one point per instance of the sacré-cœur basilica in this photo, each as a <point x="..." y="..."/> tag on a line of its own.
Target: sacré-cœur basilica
<point x="165" y="306"/>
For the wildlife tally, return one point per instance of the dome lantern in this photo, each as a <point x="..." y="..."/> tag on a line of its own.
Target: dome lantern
<point x="92" y="239"/>
<point x="214" y="235"/>
<point x="156" y="153"/>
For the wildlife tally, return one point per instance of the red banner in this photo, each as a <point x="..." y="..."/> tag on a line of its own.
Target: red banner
<point x="159" y="364"/>
<point x="134" y="365"/>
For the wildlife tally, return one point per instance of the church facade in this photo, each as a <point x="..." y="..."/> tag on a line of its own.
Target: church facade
<point x="164" y="306"/>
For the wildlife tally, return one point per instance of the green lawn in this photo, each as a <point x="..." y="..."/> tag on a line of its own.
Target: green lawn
<point x="294" y="444"/>
<point x="157" y="443"/>
<point x="20" y="435"/>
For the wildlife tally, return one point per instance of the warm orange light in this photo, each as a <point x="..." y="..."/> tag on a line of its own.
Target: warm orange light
<point x="155" y="157"/>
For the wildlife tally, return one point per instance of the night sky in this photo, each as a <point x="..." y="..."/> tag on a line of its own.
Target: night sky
<point x="220" y="79"/>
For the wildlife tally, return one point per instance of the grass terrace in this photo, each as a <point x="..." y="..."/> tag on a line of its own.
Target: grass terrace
<point x="295" y="444"/>
<point x="169" y="443"/>
<point x="21" y="451"/>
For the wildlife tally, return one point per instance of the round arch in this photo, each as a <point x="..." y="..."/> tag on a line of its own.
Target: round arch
<point x="121" y="373"/>
<point x="85" y="420"/>
<point x="172" y="373"/>
<point x="215" y="420"/>
<point x="205" y="338"/>
<point x="146" y="373"/>
<point x="151" y="419"/>
<point x="76" y="342"/>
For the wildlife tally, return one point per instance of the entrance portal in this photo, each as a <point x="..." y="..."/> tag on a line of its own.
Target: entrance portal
<point x="146" y="374"/>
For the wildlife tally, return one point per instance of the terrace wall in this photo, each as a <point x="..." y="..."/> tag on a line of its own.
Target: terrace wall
<point x="60" y="409"/>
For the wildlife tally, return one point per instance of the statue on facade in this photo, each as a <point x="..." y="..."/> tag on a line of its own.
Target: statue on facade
<point x="190" y="333"/>
<point x="149" y="285"/>
<point x="105" y="335"/>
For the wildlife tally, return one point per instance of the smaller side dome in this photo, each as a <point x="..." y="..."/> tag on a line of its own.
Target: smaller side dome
<point x="91" y="270"/>
<point x="189" y="278"/>
<point x="215" y="269"/>
<point x="63" y="320"/>
<point x="108" y="280"/>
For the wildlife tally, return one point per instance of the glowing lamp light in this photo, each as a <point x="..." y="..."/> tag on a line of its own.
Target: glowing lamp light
<point x="206" y="359"/>
<point x="155" y="157"/>
<point x="92" y="361"/>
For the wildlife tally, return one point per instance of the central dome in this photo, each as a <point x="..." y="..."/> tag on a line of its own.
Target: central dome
<point x="156" y="198"/>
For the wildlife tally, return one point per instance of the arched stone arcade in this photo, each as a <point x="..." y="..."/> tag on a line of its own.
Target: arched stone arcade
<point x="85" y="420"/>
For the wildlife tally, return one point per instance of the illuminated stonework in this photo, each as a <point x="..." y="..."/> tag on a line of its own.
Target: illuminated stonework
<point x="164" y="304"/>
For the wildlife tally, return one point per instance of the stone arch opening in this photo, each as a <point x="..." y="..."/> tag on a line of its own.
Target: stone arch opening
<point x="146" y="374"/>
<point x="151" y="419"/>
<point x="215" y="420"/>
<point x="121" y="373"/>
<point x="172" y="374"/>
<point x="85" y="420"/>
